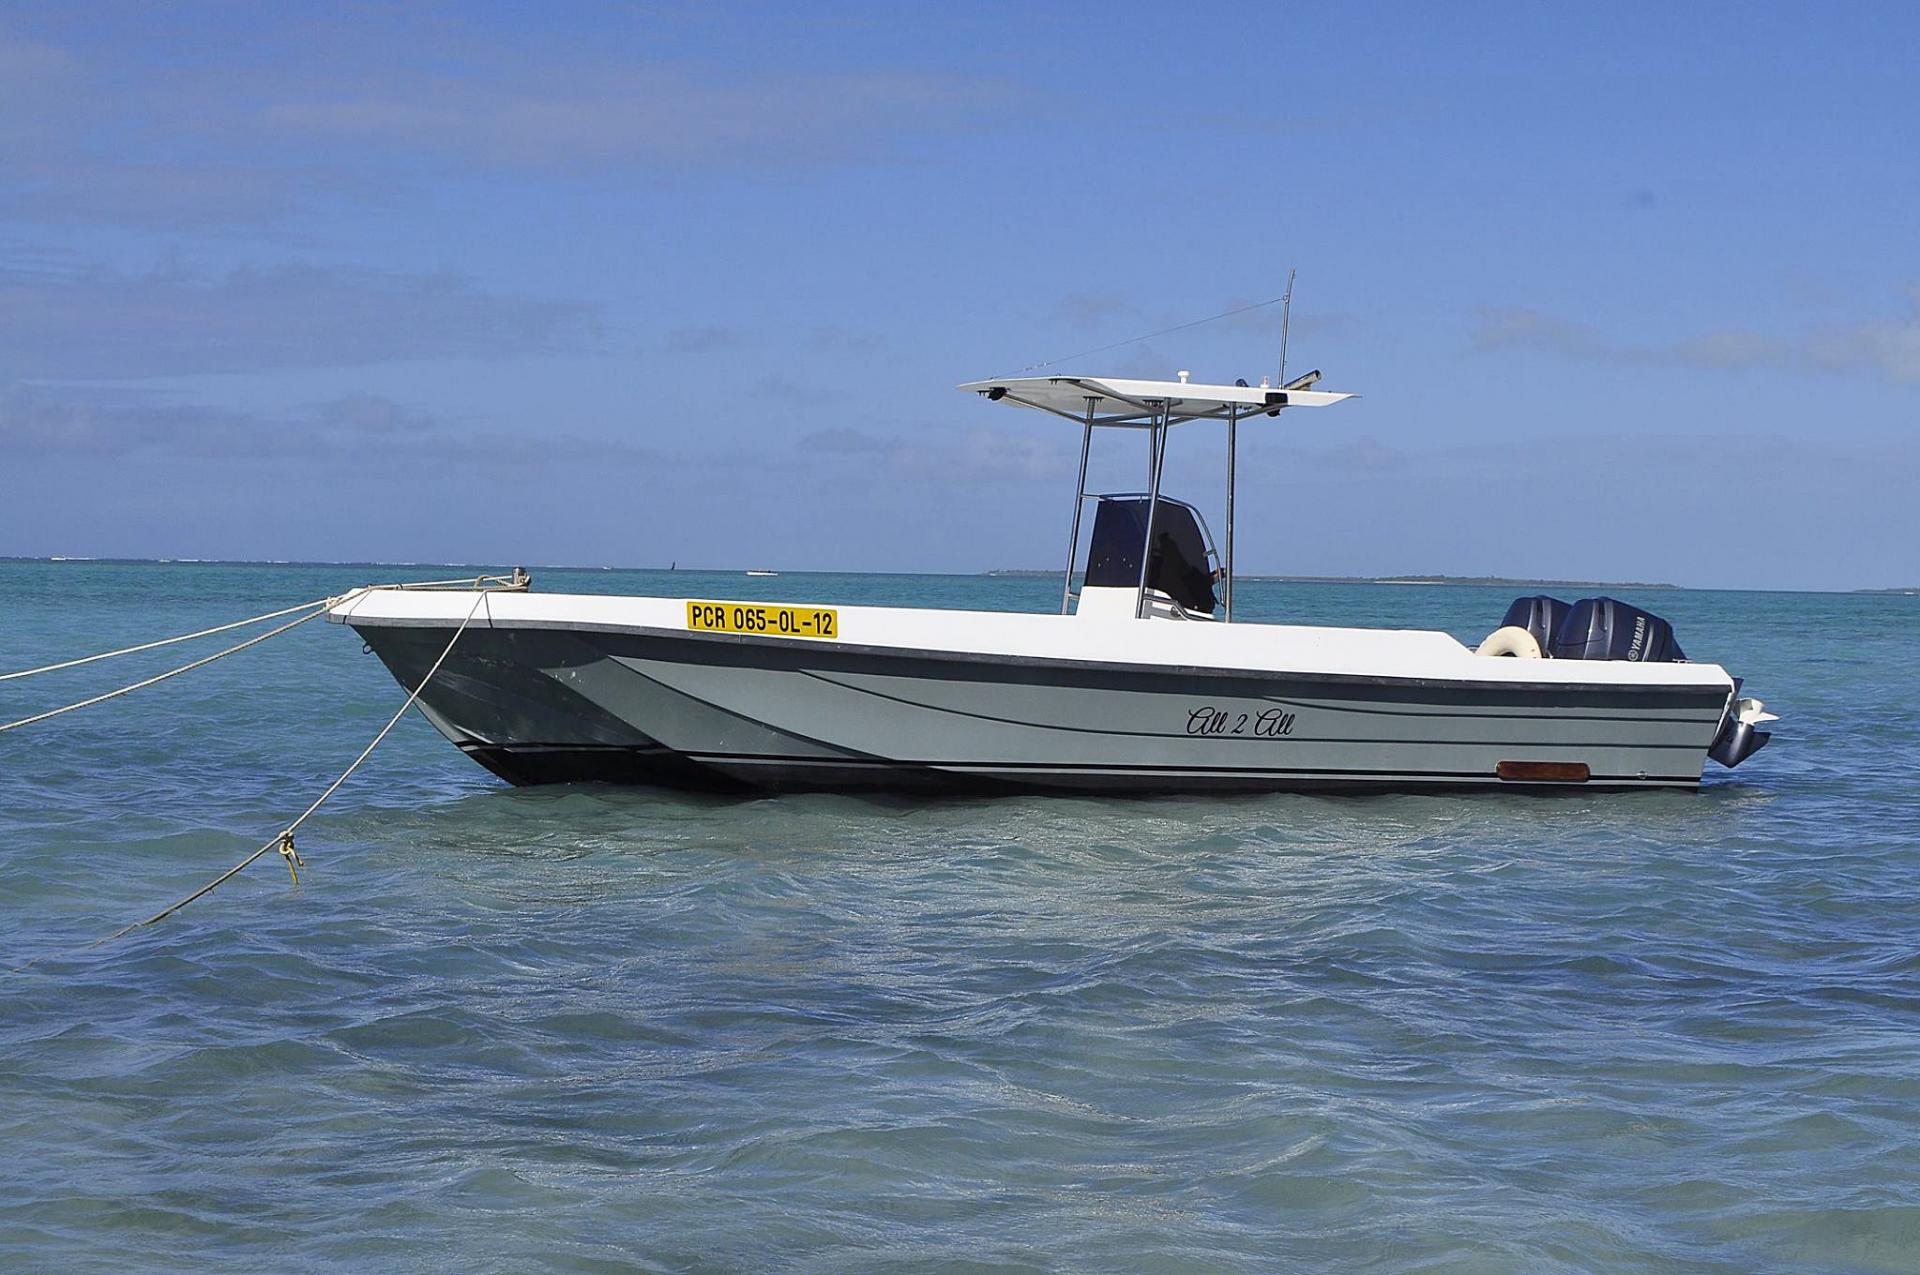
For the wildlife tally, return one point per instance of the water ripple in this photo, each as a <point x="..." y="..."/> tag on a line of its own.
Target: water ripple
<point x="595" y="1030"/>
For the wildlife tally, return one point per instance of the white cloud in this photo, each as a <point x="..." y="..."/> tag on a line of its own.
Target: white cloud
<point x="367" y="433"/>
<point x="88" y="142"/>
<point x="1890" y="349"/>
<point x="598" y="114"/>
<point x="100" y="324"/>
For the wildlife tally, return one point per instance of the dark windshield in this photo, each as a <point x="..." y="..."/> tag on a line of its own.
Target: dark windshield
<point x="1177" y="566"/>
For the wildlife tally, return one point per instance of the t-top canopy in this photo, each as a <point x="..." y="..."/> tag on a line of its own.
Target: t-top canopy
<point x="1119" y="401"/>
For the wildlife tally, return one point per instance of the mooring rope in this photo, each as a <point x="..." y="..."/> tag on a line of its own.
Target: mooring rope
<point x="314" y="609"/>
<point x="141" y="685"/>
<point x="283" y="841"/>
<point x="477" y="582"/>
<point x="172" y="641"/>
<point x="485" y="585"/>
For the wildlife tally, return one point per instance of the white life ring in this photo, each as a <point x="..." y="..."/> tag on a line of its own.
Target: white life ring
<point x="1511" y="640"/>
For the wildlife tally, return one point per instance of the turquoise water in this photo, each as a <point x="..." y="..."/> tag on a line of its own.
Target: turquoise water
<point x="601" y="1030"/>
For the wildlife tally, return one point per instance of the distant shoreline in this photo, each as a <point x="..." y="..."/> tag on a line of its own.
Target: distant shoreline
<point x="998" y="573"/>
<point x="1500" y="581"/>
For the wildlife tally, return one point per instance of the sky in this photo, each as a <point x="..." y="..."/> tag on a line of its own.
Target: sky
<point x="1630" y="292"/>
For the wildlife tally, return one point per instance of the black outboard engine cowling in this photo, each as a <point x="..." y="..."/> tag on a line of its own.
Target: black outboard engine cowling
<point x="1539" y="615"/>
<point x="1608" y="629"/>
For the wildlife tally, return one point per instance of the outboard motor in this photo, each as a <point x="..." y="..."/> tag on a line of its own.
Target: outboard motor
<point x="1738" y="740"/>
<point x="1608" y="629"/>
<point x="1539" y="615"/>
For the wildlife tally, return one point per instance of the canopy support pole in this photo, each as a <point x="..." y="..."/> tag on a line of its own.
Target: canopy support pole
<point x="1156" y="459"/>
<point x="1233" y="426"/>
<point x="1079" y="503"/>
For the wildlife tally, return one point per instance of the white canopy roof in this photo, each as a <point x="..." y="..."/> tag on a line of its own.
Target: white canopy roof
<point x="1123" y="401"/>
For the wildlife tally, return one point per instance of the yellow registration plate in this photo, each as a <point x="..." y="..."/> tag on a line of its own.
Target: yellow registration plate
<point x="755" y="617"/>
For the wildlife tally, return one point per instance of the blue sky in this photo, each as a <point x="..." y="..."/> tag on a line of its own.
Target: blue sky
<point x="1631" y="292"/>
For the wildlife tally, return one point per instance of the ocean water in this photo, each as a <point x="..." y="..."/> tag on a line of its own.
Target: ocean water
<point x="585" y="1029"/>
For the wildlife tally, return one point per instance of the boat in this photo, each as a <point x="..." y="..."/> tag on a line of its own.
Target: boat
<point x="761" y="571"/>
<point x="1143" y="681"/>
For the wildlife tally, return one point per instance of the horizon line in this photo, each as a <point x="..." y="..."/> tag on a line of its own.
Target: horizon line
<point x="1406" y="579"/>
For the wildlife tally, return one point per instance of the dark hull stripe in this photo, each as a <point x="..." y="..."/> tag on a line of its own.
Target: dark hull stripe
<point x="1127" y="768"/>
<point x="748" y="772"/>
<point x="1526" y="698"/>
<point x="1326" y="706"/>
<point x="856" y="759"/>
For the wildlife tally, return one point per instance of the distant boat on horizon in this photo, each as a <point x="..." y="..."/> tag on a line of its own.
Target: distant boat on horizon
<point x="759" y="571"/>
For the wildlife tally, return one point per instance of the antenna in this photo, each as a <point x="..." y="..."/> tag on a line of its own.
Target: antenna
<point x="1286" y="317"/>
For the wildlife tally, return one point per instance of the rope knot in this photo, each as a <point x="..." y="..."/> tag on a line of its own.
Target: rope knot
<point x="292" y="856"/>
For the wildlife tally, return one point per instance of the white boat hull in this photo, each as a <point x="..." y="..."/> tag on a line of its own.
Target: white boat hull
<point x="552" y="688"/>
